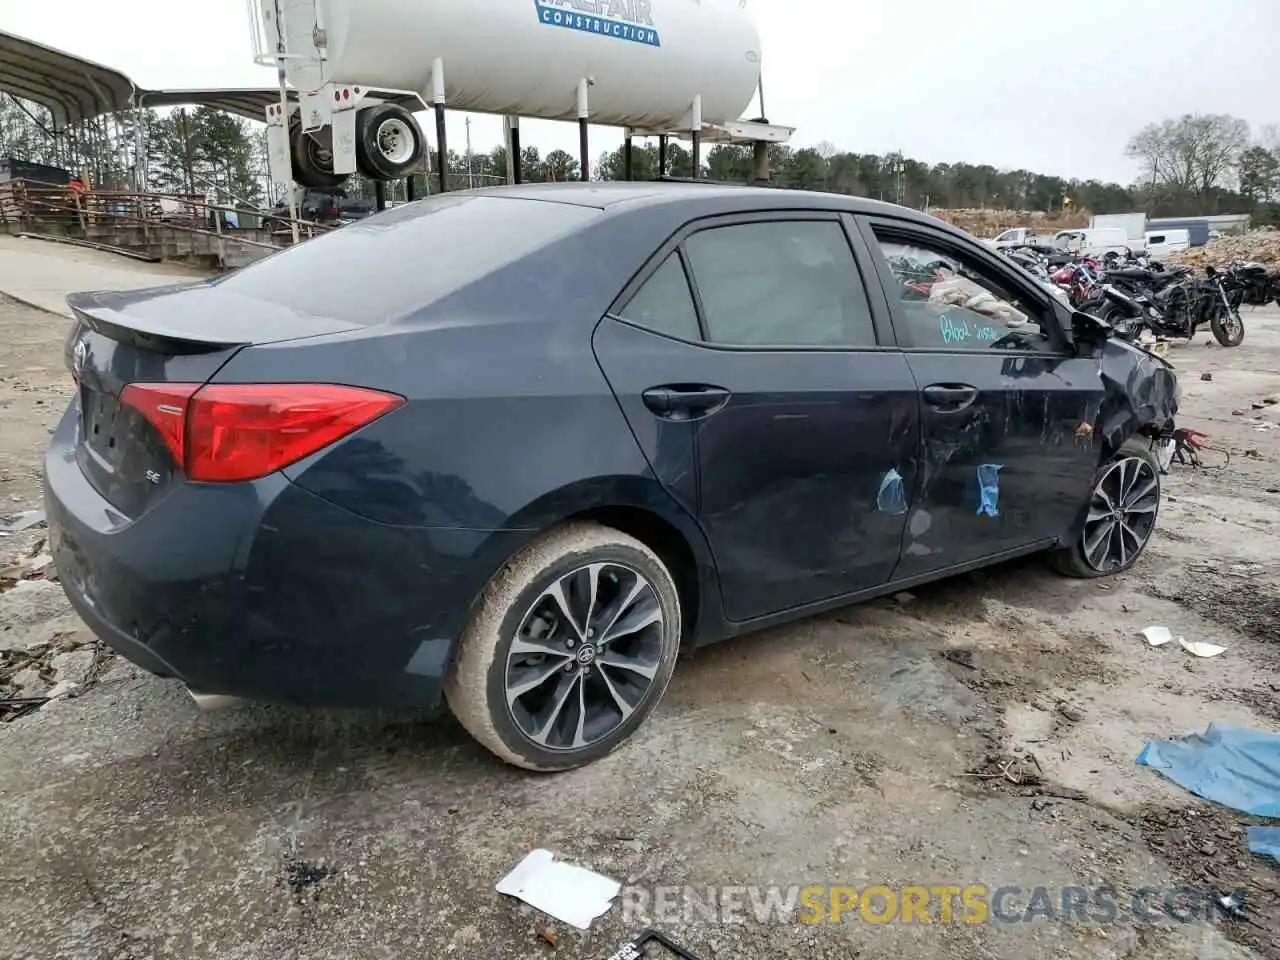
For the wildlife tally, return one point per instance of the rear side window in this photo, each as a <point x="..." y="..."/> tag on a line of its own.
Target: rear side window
<point x="665" y="304"/>
<point x="780" y="283"/>
<point x="390" y="265"/>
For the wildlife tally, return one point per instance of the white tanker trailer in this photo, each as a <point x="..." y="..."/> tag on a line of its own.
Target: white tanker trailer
<point x="361" y="67"/>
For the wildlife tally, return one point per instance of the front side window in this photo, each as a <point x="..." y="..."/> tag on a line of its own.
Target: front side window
<point x="950" y="302"/>
<point x="790" y="283"/>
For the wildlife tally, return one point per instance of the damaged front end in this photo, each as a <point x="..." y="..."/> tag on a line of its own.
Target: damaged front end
<point x="1142" y="395"/>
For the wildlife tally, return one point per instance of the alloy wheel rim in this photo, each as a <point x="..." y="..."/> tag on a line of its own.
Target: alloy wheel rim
<point x="395" y="142"/>
<point x="1122" y="514"/>
<point x="586" y="654"/>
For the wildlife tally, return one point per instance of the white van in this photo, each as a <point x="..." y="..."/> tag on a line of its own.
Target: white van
<point x="1161" y="243"/>
<point x="1093" y="241"/>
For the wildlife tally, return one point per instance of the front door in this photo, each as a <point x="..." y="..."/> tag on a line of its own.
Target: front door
<point x="1006" y="407"/>
<point x="804" y="427"/>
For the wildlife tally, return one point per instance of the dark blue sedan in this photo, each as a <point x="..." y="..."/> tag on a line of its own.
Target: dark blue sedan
<point x="518" y="447"/>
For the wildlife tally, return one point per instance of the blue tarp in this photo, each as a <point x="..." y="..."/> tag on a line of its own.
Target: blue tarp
<point x="1235" y="767"/>
<point x="1266" y="841"/>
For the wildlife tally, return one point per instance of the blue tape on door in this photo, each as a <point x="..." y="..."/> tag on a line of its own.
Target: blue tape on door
<point x="989" y="489"/>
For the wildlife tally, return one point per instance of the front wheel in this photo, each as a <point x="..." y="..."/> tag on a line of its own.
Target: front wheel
<point x="1123" y="507"/>
<point x="570" y="648"/>
<point x="1229" y="329"/>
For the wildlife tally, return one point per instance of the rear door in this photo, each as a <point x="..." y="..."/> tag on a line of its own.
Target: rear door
<point x="750" y="349"/>
<point x="1006" y="407"/>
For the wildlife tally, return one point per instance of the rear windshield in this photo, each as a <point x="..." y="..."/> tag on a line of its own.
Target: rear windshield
<point x="401" y="260"/>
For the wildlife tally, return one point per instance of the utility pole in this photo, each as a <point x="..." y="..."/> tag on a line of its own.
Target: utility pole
<point x="471" y="180"/>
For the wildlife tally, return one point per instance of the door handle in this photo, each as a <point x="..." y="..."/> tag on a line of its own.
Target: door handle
<point x="950" y="397"/>
<point x="685" y="402"/>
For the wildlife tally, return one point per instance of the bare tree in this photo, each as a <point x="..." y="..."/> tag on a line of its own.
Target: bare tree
<point x="1191" y="155"/>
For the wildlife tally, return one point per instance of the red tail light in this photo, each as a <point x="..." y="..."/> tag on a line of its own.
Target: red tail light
<point x="230" y="432"/>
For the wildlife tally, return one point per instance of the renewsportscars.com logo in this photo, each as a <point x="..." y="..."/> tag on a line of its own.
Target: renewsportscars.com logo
<point x="630" y="20"/>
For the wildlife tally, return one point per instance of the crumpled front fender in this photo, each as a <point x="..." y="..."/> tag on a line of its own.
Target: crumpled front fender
<point x="1141" y="394"/>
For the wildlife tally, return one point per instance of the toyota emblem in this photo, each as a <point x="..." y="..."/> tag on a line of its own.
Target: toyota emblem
<point x="79" y="357"/>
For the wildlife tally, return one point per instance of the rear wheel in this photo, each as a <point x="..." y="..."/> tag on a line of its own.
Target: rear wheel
<point x="1123" y="508"/>
<point x="389" y="142"/>
<point x="570" y="648"/>
<point x="1228" y="328"/>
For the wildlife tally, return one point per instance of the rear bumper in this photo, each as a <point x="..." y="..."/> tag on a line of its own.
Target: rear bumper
<point x="268" y="592"/>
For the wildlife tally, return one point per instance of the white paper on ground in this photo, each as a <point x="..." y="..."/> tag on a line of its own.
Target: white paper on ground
<point x="1201" y="649"/>
<point x="1157" y="636"/>
<point x="573" y="895"/>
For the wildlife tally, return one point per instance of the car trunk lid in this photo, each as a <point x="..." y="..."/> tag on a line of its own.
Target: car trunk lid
<point x="178" y="334"/>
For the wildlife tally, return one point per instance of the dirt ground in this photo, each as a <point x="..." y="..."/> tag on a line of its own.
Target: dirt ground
<point x="864" y="747"/>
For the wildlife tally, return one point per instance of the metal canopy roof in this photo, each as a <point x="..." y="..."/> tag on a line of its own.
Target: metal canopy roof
<point x="248" y="103"/>
<point x="75" y="89"/>
<point x="71" y="88"/>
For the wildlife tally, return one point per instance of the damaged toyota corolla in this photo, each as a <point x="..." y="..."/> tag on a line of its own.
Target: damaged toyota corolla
<point x="514" y="449"/>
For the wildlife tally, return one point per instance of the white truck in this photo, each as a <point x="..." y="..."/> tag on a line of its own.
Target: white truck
<point x="1090" y="241"/>
<point x="1134" y="226"/>
<point x="361" y="68"/>
<point x="1020" y="237"/>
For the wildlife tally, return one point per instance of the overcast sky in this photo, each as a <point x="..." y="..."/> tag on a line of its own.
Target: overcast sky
<point x="1051" y="87"/>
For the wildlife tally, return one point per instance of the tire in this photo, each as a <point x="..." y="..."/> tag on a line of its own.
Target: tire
<point x="1229" y="333"/>
<point x="312" y="162"/>
<point x="1078" y="560"/>
<point x="389" y="142"/>
<point x="518" y="600"/>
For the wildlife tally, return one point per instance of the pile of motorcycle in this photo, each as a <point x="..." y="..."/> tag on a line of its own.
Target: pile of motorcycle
<point x="1138" y="297"/>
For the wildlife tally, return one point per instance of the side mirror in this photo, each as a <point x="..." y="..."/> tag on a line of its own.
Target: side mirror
<point x="1088" y="333"/>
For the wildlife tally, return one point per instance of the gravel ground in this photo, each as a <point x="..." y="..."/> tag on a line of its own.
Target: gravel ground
<point x="859" y="748"/>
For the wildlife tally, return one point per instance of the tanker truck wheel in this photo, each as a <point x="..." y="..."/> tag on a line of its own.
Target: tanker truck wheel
<point x="312" y="162"/>
<point x="389" y="142"/>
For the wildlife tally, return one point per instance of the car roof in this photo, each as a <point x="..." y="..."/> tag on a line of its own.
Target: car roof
<point x="614" y="194"/>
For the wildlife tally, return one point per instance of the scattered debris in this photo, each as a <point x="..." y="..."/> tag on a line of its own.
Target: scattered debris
<point x="300" y="875"/>
<point x="1072" y="713"/>
<point x="1199" y="648"/>
<point x="1256" y="246"/>
<point x="23" y="521"/>
<point x="1237" y="413"/>
<point x="1187" y="445"/>
<point x="1232" y="766"/>
<point x="573" y="895"/>
<point x="638" y="949"/>
<point x="14" y="707"/>
<point x="1020" y="771"/>
<point x="960" y="656"/>
<point x="1157" y="636"/>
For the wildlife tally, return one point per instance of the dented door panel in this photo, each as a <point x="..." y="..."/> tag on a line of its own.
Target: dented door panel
<point x="1010" y="469"/>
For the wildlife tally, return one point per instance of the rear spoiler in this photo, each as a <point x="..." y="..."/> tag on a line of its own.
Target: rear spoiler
<point x="199" y="317"/>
